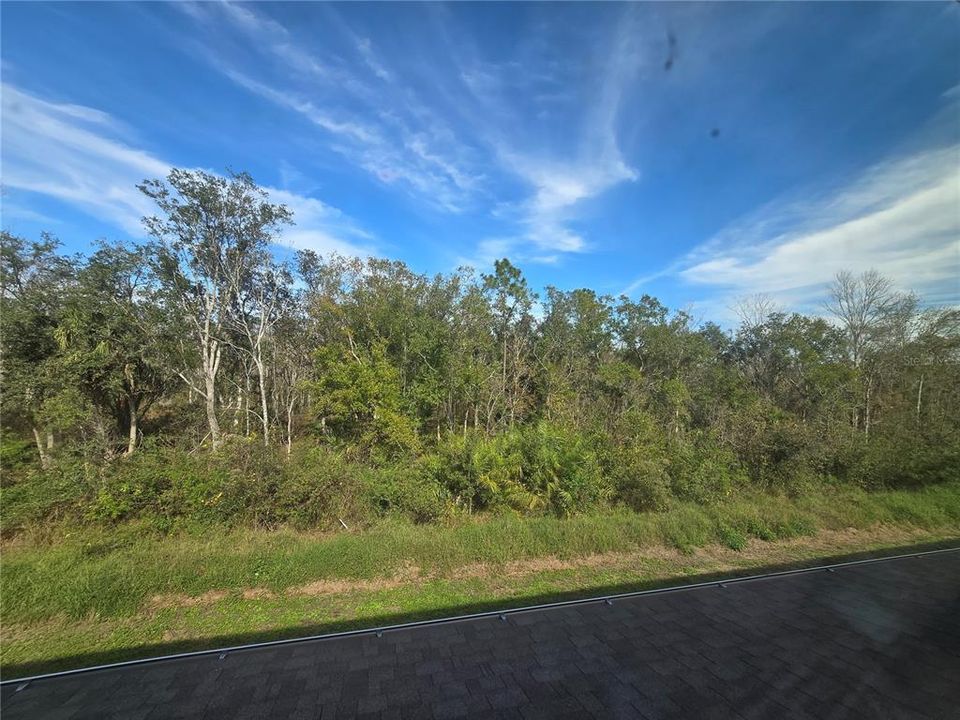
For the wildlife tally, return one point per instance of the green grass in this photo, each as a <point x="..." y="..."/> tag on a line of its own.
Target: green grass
<point x="75" y="596"/>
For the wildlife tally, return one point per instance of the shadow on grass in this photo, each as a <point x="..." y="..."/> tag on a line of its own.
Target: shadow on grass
<point x="158" y="650"/>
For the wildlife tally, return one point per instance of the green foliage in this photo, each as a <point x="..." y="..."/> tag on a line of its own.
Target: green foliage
<point x="642" y="480"/>
<point x="320" y="487"/>
<point x="778" y="451"/>
<point x="768" y="519"/>
<point x="112" y="572"/>
<point x="758" y="528"/>
<point x="33" y="279"/>
<point x="688" y="527"/>
<point x="403" y="490"/>
<point x="15" y="454"/>
<point x="243" y="484"/>
<point x="637" y="460"/>
<point x="538" y="467"/>
<point x="900" y="461"/>
<point x="359" y="399"/>
<point x="733" y="537"/>
<point x="433" y="396"/>
<point x="162" y="485"/>
<point x="703" y="471"/>
<point x="453" y="419"/>
<point x="32" y="497"/>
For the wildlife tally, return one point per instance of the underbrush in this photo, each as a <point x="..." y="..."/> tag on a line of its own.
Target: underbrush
<point x="244" y="484"/>
<point x="531" y="471"/>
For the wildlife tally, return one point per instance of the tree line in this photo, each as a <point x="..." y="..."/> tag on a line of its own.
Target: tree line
<point x="201" y="336"/>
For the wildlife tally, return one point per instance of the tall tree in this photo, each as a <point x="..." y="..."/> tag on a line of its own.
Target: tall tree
<point x="860" y="303"/>
<point x="874" y="317"/>
<point x="575" y="341"/>
<point x="211" y="237"/>
<point x="260" y="292"/>
<point x="33" y="281"/>
<point x="110" y="339"/>
<point x="511" y="302"/>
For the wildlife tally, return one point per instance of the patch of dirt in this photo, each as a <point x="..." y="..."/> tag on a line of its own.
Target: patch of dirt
<point x="179" y="600"/>
<point x="551" y="563"/>
<point x="713" y="558"/>
<point x="335" y="587"/>
<point x="406" y="575"/>
<point x="258" y="593"/>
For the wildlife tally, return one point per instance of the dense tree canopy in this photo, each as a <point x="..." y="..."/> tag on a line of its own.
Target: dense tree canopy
<point x="492" y="394"/>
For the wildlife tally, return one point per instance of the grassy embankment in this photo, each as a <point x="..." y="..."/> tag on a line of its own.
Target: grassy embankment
<point x="85" y="597"/>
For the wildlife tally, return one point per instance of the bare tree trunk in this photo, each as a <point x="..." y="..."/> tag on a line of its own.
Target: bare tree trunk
<point x="866" y="410"/>
<point x="44" y="458"/>
<point x="103" y="435"/>
<point x="50" y="439"/>
<point x="919" y="398"/>
<point x="503" y="380"/>
<point x="238" y="410"/>
<point x="132" y="441"/>
<point x="265" y="416"/>
<point x="290" y="423"/>
<point x="211" y="407"/>
<point x="276" y="400"/>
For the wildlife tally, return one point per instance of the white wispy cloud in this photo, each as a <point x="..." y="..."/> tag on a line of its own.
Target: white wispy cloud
<point x="365" y="48"/>
<point x="372" y="119"/>
<point x="345" y="129"/>
<point x="588" y="165"/>
<point x="65" y="151"/>
<point x="487" y="251"/>
<point x="13" y="211"/>
<point x="900" y="217"/>
<point x="458" y="147"/>
<point x="558" y="188"/>
<point x="73" y="154"/>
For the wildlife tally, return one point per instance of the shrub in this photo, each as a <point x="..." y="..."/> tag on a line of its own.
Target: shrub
<point x="57" y="493"/>
<point x="562" y="468"/>
<point x="777" y="450"/>
<point x="15" y="455"/>
<point x="640" y="478"/>
<point x="456" y="468"/>
<point x="635" y="459"/>
<point x="160" y="484"/>
<point x="905" y="461"/>
<point x="538" y="467"/>
<point x="405" y="490"/>
<point x="702" y="471"/>
<point x="321" y="487"/>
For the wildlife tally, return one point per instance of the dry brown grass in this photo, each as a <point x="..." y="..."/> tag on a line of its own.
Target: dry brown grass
<point x="715" y="557"/>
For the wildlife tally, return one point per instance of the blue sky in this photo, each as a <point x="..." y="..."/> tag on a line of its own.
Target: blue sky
<point x="763" y="148"/>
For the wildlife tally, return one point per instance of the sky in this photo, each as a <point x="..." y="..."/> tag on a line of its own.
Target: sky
<point x="697" y="152"/>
